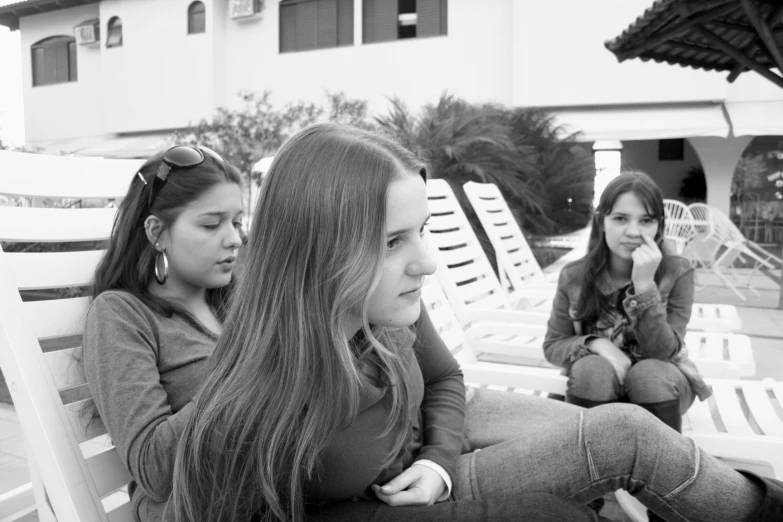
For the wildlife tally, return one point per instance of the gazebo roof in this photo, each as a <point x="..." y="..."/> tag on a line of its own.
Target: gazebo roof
<point x="720" y="35"/>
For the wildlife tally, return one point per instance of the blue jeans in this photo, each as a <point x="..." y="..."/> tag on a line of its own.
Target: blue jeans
<point x="535" y="506"/>
<point x="519" y="443"/>
<point x="648" y="381"/>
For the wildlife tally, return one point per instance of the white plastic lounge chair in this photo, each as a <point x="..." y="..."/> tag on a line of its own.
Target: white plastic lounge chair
<point x="739" y="424"/>
<point x="81" y="475"/>
<point x="679" y="224"/>
<point x="519" y="267"/>
<point x="719" y="243"/>
<point x="482" y="306"/>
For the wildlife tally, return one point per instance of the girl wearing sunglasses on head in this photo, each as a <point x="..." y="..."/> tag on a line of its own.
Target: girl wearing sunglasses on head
<point x="160" y="296"/>
<point x="330" y="390"/>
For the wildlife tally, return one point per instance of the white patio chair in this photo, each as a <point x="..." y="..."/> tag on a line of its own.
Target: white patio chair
<point x="483" y="307"/>
<point x="522" y="277"/>
<point x="76" y="472"/>
<point x="679" y="224"/>
<point x="738" y="424"/>
<point x="719" y="244"/>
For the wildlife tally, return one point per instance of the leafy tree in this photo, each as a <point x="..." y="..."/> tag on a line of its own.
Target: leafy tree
<point x="541" y="175"/>
<point x="256" y="129"/>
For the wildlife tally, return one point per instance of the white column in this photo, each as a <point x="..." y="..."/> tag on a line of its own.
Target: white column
<point x="357" y="22"/>
<point x="719" y="158"/>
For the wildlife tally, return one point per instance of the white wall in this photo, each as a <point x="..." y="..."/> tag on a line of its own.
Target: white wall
<point x="562" y="61"/>
<point x="61" y="110"/>
<point x="473" y="60"/>
<point x="506" y="51"/>
<point x="161" y="77"/>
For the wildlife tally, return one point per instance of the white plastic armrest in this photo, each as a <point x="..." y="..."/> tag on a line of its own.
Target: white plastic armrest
<point x="508" y="316"/>
<point x="483" y="328"/>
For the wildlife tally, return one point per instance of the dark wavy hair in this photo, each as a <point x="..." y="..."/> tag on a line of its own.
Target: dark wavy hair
<point x="597" y="257"/>
<point x="130" y="258"/>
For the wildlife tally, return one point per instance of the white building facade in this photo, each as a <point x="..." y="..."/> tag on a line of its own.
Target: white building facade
<point x="166" y="73"/>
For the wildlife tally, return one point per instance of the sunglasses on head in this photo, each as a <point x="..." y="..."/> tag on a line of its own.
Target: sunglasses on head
<point x="178" y="156"/>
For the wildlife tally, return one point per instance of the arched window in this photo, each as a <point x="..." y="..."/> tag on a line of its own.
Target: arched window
<point x="54" y="60"/>
<point x="197" y="18"/>
<point x="114" y="32"/>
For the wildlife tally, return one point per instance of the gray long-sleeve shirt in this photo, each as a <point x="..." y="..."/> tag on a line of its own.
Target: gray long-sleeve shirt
<point x="143" y="369"/>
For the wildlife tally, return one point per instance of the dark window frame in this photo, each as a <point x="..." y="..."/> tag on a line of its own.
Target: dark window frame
<point x="383" y="21"/>
<point x="113" y="27"/>
<point x="197" y="18"/>
<point x="54" y="61"/>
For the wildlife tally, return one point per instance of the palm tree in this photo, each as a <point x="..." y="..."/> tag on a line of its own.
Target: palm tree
<point x="517" y="149"/>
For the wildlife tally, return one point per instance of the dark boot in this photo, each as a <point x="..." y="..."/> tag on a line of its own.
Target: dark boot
<point x="771" y="509"/>
<point x="667" y="411"/>
<point x="584" y="403"/>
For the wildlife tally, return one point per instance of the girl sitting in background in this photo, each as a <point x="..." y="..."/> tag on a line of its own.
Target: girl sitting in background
<point x="620" y="313"/>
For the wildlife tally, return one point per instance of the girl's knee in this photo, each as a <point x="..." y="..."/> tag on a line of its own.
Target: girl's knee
<point x="652" y="380"/>
<point x="593" y="377"/>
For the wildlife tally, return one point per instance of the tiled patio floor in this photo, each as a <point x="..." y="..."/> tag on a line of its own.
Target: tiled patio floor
<point x="760" y="320"/>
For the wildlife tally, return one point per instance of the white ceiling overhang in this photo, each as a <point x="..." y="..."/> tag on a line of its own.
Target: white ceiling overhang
<point x="643" y="122"/>
<point x="757" y="118"/>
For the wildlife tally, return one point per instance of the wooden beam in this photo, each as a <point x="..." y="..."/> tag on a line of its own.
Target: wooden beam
<point x="677" y="29"/>
<point x="737" y="55"/>
<point x="752" y="10"/>
<point x="773" y="19"/>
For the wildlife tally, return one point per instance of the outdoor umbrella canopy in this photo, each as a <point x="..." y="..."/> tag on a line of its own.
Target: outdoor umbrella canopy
<point x="719" y="35"/>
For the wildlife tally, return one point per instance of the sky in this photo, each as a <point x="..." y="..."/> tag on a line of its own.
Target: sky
<point x="11" y="111"/>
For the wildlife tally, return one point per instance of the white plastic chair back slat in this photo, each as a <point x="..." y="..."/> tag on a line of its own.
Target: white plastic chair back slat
<point x="57" y="317"/>
<point x="763" y="410"/>
<point x="55" y="225"/>
<point x="61" y="177"/>
<point x="40" y="340"/>
<point x="679" y="223"/>
<point x="108" y="471"/>
<point x="34" y="271"/>
<point x="513" y="253"/>
<point x="450" y="230"/>
<point x="65" y="368"/>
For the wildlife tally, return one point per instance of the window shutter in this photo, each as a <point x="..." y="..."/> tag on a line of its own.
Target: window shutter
<point x="385" y="20"/>
<point x="72" y="61"/>
<point x="306" y="15"/>
<point x="50" y="65"/>
<point x="327" y="23"/>
<point x="345" y="22"/>
<point x="428" y="22"/>
<point x="287" y="28"/>
<point x="38" y="67"/>
<point x="61" y="67"/>
<point x="368" y="21"/>
<point x="444" y="17"/>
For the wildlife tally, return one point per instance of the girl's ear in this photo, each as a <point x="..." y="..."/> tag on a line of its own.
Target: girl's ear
<point x="153" y="227"/>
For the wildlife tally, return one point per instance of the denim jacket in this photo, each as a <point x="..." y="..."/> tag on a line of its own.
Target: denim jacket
<point x="658" y="316"/>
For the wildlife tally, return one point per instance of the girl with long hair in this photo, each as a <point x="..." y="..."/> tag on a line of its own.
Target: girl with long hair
<point x="319" y="400"/>
<point x="159" y="300"/>
<point x="159" y="304"/>
<point x="619" y="317"/>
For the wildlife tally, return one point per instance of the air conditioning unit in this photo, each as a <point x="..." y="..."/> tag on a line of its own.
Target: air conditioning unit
<point x="241" y="9"/>
<point x="87" y="33"/>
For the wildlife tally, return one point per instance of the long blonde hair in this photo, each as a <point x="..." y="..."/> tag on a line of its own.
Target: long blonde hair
<point x="286" y="375"/>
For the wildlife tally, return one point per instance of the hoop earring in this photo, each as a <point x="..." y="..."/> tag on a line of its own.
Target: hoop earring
<point x="161" y="280"/>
